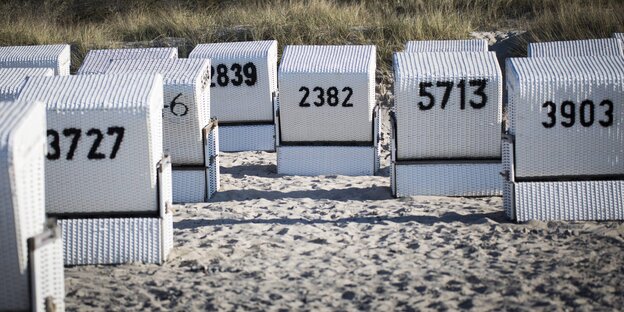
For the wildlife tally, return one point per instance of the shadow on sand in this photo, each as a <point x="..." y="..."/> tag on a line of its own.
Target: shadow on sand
<point x="449" y="217"/>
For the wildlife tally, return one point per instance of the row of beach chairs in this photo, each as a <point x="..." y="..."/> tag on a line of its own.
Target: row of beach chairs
<point x="107" y="151"/>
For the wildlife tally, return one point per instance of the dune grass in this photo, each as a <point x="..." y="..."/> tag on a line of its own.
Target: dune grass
<point x="89" y="24"/>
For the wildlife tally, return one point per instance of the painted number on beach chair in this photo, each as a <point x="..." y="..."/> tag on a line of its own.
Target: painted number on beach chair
<point x="177" y="108"/>
<point x="330" y="96"/>
<point x="586" y="113"/>
<point x="236" y="74"/>
<point x="479" y="85"/>
<point x="75" y="134"/>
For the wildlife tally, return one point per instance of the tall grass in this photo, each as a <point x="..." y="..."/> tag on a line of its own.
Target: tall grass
<point x="88" y="24"/>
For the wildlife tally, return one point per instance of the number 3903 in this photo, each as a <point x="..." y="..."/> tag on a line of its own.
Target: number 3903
<point x="585" y="112"/>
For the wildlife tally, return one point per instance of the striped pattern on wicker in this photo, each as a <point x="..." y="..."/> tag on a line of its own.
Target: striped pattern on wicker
<point x="448" y="105"/>
<point x="327" y="93"/>
<point x="97" y="61"/>
<point x="619" y="36"/>
<point x="588" y="47"/>
<point x="469" y="45"/>
<point x="112" y="167"/>
<point x="22" y="137"/>
<point x="186" y="103"/>
<point x="55" y="56"/>
<point x="566" y="115"/>
<point x="12" y="80"/>
<point x="244" y="78"/>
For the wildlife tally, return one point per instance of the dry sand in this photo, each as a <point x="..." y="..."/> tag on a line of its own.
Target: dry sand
<point x="271" y="242"/>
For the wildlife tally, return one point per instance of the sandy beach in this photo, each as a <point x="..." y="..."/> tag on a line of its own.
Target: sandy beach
<point x="289" y="243"/>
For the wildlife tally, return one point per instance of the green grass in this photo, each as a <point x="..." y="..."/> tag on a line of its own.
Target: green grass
<point x="387" y="24"/>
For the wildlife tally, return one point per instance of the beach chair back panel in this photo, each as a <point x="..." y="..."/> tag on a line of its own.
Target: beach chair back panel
<point x="186" y="106"/>
<point x="12" y="80"/>
<point x="567" y="117"/>
<point x="448" y="105"/>
<point x="244" y="77"/>
<point x="22" y="141"/>
<point x="97" y="61"/>
<point x="56" y="57"/>
<point x="469" y="45"/>
<point x="589" y="47"/>
<point x="327" y="93"/>
<point x="104" y="142"/>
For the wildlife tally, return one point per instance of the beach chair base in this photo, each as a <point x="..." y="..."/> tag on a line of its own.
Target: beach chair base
<point x="558" y="200"/>
<point x="327" y="160"/>
<point x="446" y="179"/>
<point x="197" y="184"/>
<point x="247" y="137"/>
<point x="119" y="240"/>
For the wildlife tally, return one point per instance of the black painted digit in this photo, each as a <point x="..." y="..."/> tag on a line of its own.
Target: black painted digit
<point x="212" y="74"/>
<point x="237" y="68"/>
<point x="346" y="103"/>
<point x="332" y="96"/>
<point x="423" y="92"/>
<point x="608" y="113"/>
<point x="551" y="114"/>
<point x="569" y="113"/>
<point x="75" y="134"/>
<point x="462" y="94"/>
<point x="480" y="83"/>
<point x="320" y="96"/>
<point x="222" y="77"/>
<point x="93" y="153"/>
<point x="54" y="145"/>
<point x="305" y="97"/>
<point x="447" y="93"/>
<point x="181" y="110"/>
<point x="249" y="70"/>
<point x="119" y="132"/>
<point x="587" y="121"/>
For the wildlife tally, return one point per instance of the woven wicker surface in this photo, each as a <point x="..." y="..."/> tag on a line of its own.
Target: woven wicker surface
<point x="22" y="130"/>
<point x="97" y="61"/>
<point x="339" y="78"/>
<point x="563" y="144"/>
<point x="588" y="47"/>
<point x="426" y="129"/>
<point x="91" y="180"/>
<point x="470" y="45"/>
<point x="47" y="271"/>
<point x="56" y="56"/>
<point x="186" y="103"/>
<point x="619" y="36"/>
<point x="247" y="138"/>
<point x="12" y="80"/>
<point x="243" y="80"/>
<point x="477" y="179"/>
<point x="326" y="160"/>
<point x="574" y="200"/>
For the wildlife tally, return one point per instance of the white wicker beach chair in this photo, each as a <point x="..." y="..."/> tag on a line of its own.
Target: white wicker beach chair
<point x="244" y="79"/>
<point x="589" y="47"/>
<point x="327" y="123"/>
<point x="55" y="56"/>
<point x="106" y="177"/>
<point x="446" y="137"/>
<point x="31" y="251"/>
<point x="97" y="61"/>
<point x="189" y="135"/>
<point x="562" y="152"/>
<point x="468" y="45"/>
<point x="12" y="80"/>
